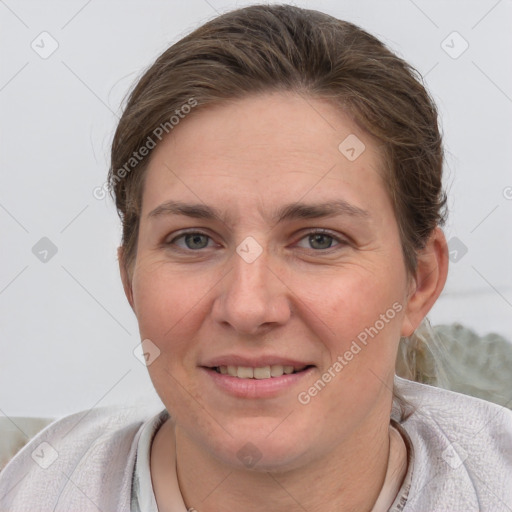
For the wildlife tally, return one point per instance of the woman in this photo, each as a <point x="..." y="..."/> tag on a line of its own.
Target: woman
<point x="278" y="177"/>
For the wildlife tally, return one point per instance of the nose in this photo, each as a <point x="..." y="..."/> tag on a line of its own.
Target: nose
<point x="252" y="296"/>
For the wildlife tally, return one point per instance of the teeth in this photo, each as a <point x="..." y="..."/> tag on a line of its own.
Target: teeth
<point x="245" y="372"/>
<point x="264" y="372"/>
<point x="261" y="373"/>
<point x="276" y="370"/>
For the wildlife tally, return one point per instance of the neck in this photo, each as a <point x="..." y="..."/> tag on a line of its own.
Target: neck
<point x="349" y="478"/>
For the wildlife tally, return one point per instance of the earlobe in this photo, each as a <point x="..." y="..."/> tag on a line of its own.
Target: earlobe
<point x="430" y="279"/>
<point x="125" y="278"/>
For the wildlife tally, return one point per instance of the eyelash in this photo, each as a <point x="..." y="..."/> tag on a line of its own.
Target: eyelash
<point x="340" y="241"/>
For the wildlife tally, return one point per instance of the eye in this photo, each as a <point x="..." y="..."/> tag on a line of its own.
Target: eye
<point x="322" y="240"/>
<point x="317" y="240"/>
<point x="194" y="240"/>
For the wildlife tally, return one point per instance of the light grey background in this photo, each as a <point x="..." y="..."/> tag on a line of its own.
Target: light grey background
<point x="67" y="331"/>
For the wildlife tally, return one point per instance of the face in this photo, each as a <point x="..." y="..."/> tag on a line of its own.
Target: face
<point x="263" y="274"/>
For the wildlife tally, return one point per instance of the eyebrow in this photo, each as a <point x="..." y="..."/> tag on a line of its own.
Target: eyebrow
<point x="288" y="211"/>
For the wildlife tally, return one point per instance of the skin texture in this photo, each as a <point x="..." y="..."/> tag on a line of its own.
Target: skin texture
<point x="298" y="299"/>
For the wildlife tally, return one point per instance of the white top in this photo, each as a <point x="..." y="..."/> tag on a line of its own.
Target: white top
<point x="459" y="459"/>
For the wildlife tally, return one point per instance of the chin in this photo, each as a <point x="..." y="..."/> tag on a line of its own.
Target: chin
<point x="261" y="447"/>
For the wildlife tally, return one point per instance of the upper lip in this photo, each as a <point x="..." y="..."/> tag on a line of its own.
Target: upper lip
<point x="253" y="362"/>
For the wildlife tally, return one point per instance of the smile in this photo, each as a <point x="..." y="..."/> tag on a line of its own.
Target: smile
<point x="256" y="382"/>
<point x="263" y="372"/>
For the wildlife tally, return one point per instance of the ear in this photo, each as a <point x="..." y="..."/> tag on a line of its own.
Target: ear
<point x="125" y="278"/>
<point x="429" y="281"/>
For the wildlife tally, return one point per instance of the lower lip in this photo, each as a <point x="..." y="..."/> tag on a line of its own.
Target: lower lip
<point x="256" y="388"/>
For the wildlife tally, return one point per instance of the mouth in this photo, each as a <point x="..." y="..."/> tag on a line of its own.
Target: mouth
<point x="256" y="382"/>
<point x="259" y="373"/>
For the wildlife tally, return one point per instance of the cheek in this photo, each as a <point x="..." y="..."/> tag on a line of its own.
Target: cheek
<point x="163" y="303"/>
<point x="350" y="300"/>
<point x="361" y="314"/>
<point x="168" y="312"/>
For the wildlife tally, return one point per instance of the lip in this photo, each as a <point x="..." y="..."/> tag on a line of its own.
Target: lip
<point x="255" y="388"/>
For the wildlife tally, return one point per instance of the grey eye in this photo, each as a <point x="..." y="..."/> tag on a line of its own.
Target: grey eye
<point x="319" y="240"/>
<point x="196" y="240"/>
<point x="322" y="240"/>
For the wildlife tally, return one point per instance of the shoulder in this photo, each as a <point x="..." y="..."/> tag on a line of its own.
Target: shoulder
<point x="462" y="450"/>
<point x="82" y="461"/>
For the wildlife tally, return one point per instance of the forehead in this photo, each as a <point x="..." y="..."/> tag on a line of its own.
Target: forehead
<point x="273" y="146"/>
